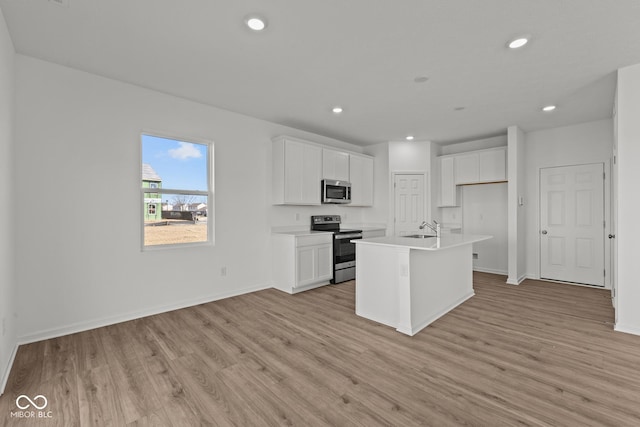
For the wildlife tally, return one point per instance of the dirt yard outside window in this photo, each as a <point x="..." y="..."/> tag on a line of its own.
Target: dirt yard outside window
<point x="175" y="232"/>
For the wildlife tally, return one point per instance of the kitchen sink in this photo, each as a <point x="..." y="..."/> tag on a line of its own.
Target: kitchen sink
<point x="420" y="236"/>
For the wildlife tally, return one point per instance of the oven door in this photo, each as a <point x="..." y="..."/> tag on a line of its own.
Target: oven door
<point x="343" y="250"/>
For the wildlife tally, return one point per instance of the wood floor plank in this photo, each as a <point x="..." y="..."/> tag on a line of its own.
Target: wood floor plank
<point x="537" y="354"/>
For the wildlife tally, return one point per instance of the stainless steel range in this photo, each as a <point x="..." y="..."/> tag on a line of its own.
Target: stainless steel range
<point x="344" y="252"/>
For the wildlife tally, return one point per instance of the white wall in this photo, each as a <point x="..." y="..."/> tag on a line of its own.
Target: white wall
<point x="570" y="145"/>
<point x="476" y="144"/>
<point x="485" y="212"/>
<point x="628" y="230"/>
<point x="78" y="257"/>
<point x="7" y="213"/>
<point x="516" y="168"/>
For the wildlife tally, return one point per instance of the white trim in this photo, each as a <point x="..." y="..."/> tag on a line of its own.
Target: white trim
<point x="111" y="320"/>
<point x="7" y="369"/>
<point x="626" y="329"/>
<point x="491" y="271"/>
<point x="518" y="281"/>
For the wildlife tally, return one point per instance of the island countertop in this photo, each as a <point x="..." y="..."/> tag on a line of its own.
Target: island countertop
<point x="446" y="241"/>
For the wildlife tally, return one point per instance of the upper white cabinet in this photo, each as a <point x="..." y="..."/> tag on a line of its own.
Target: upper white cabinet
<point x="474" y="167"/>
<point x="493" y="165"/>
<point x="467" y="168"/>
<point x="296" y="172"/>
<point x="481" y="166"/>
<point x="448" y="194"/>
<point x="300" y="166"/>
<point x="361" y="178"/>
<point x="335" y="164"/>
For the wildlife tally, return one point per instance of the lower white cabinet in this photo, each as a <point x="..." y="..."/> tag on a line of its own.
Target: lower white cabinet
<point x="302" y="262"/>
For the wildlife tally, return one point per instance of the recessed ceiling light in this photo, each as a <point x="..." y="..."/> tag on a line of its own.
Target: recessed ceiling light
<point x="409" y="138"/>
<point x="337" y="110"/>
<point x="518" y="42"/>
<point x="421" y="79"/>
<point x="548" y="108"/>
<point x="256" y="23"/>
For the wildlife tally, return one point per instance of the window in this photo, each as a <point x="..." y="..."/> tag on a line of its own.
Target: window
<point x="177" y="192"/>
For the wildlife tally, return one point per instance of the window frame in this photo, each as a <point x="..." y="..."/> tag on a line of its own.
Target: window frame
<point x="177" y="191"/>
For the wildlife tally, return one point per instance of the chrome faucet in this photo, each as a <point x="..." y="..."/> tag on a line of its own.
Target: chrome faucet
<point x="435" y="227"/>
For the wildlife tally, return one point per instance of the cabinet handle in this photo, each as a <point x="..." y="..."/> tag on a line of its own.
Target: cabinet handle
<point x="612" y="236"/>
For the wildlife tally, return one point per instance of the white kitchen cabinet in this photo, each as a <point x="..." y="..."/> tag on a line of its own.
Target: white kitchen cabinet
<point x="335" y="164"/>
<point x="481" y="166"/>
<point x="448" y="192"/>
<point x="467" y="168"/>
<point x="296" y="172"/>
<point x="361" y="178"/>
<point x="493" y="165"/>
<point x="302" y="262"/>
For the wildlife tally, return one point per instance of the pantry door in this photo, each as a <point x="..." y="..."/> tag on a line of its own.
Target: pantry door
<point x="409" y="200"/>
<point x="572" y="224"/>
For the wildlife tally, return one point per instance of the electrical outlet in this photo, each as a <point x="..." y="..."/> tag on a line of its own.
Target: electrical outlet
<point x="475" y="256"/>
<point x="223" y="271"/>
<point x="297" y="217"/>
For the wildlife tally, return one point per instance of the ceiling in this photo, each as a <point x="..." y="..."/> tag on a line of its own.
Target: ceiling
<point x="360" y="54"/>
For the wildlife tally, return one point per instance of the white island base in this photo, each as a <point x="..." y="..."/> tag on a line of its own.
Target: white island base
<point x="408" y="283"/>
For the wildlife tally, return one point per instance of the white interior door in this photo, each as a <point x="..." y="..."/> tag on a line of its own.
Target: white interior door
<point x="572" y="224"/>
<point x="409" y="200"/>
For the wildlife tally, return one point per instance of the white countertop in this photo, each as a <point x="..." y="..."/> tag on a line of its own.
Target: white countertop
<point x="430" y="244"/>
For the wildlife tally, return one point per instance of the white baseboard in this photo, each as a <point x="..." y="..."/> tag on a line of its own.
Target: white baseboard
<point x="490" y="270"/>
<point x="7" y="369"/>
<point x="635" y="330"/>
<point x="111" y="320"/>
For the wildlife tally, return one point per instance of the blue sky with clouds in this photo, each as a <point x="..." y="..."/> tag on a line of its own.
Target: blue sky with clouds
<point x="181" y="165"/>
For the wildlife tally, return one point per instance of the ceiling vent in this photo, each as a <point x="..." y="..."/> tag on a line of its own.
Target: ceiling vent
<point x="63" y="3"/>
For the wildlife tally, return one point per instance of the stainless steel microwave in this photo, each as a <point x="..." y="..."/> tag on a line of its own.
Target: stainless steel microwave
<point x="336" y="191"/>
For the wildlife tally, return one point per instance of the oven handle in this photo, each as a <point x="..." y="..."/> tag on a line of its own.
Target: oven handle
<point x="348" y="236"/>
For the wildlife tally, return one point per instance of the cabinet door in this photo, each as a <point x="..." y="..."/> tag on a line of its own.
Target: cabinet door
<point x="448" y="190"/>
<point x="335" y="165"/>
<point x="306" y="265"/>
<point x="324" y="255"/>
<point x="466" y="168"/>
<point x="493" y="165"/>
<point x="314" y="264"/>
<point x="302" y="173"/>
<point x="361" y="177"/>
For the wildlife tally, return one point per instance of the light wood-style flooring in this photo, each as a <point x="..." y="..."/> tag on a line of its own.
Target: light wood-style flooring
<point x="535" y="354"/>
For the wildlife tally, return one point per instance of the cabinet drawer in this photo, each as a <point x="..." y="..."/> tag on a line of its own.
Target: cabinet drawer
<point x="320" y="239"/>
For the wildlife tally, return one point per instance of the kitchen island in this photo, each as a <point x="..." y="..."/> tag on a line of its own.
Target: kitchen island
<point x="407" y="283"/>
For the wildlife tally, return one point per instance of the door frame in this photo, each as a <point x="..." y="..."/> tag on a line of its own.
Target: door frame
<point x="426" y="192"/>
<point x="606" y="230"/>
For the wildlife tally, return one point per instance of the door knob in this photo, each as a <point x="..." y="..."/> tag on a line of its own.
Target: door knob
<point x="612" y="236"/>
<point x="544" y="231"/>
